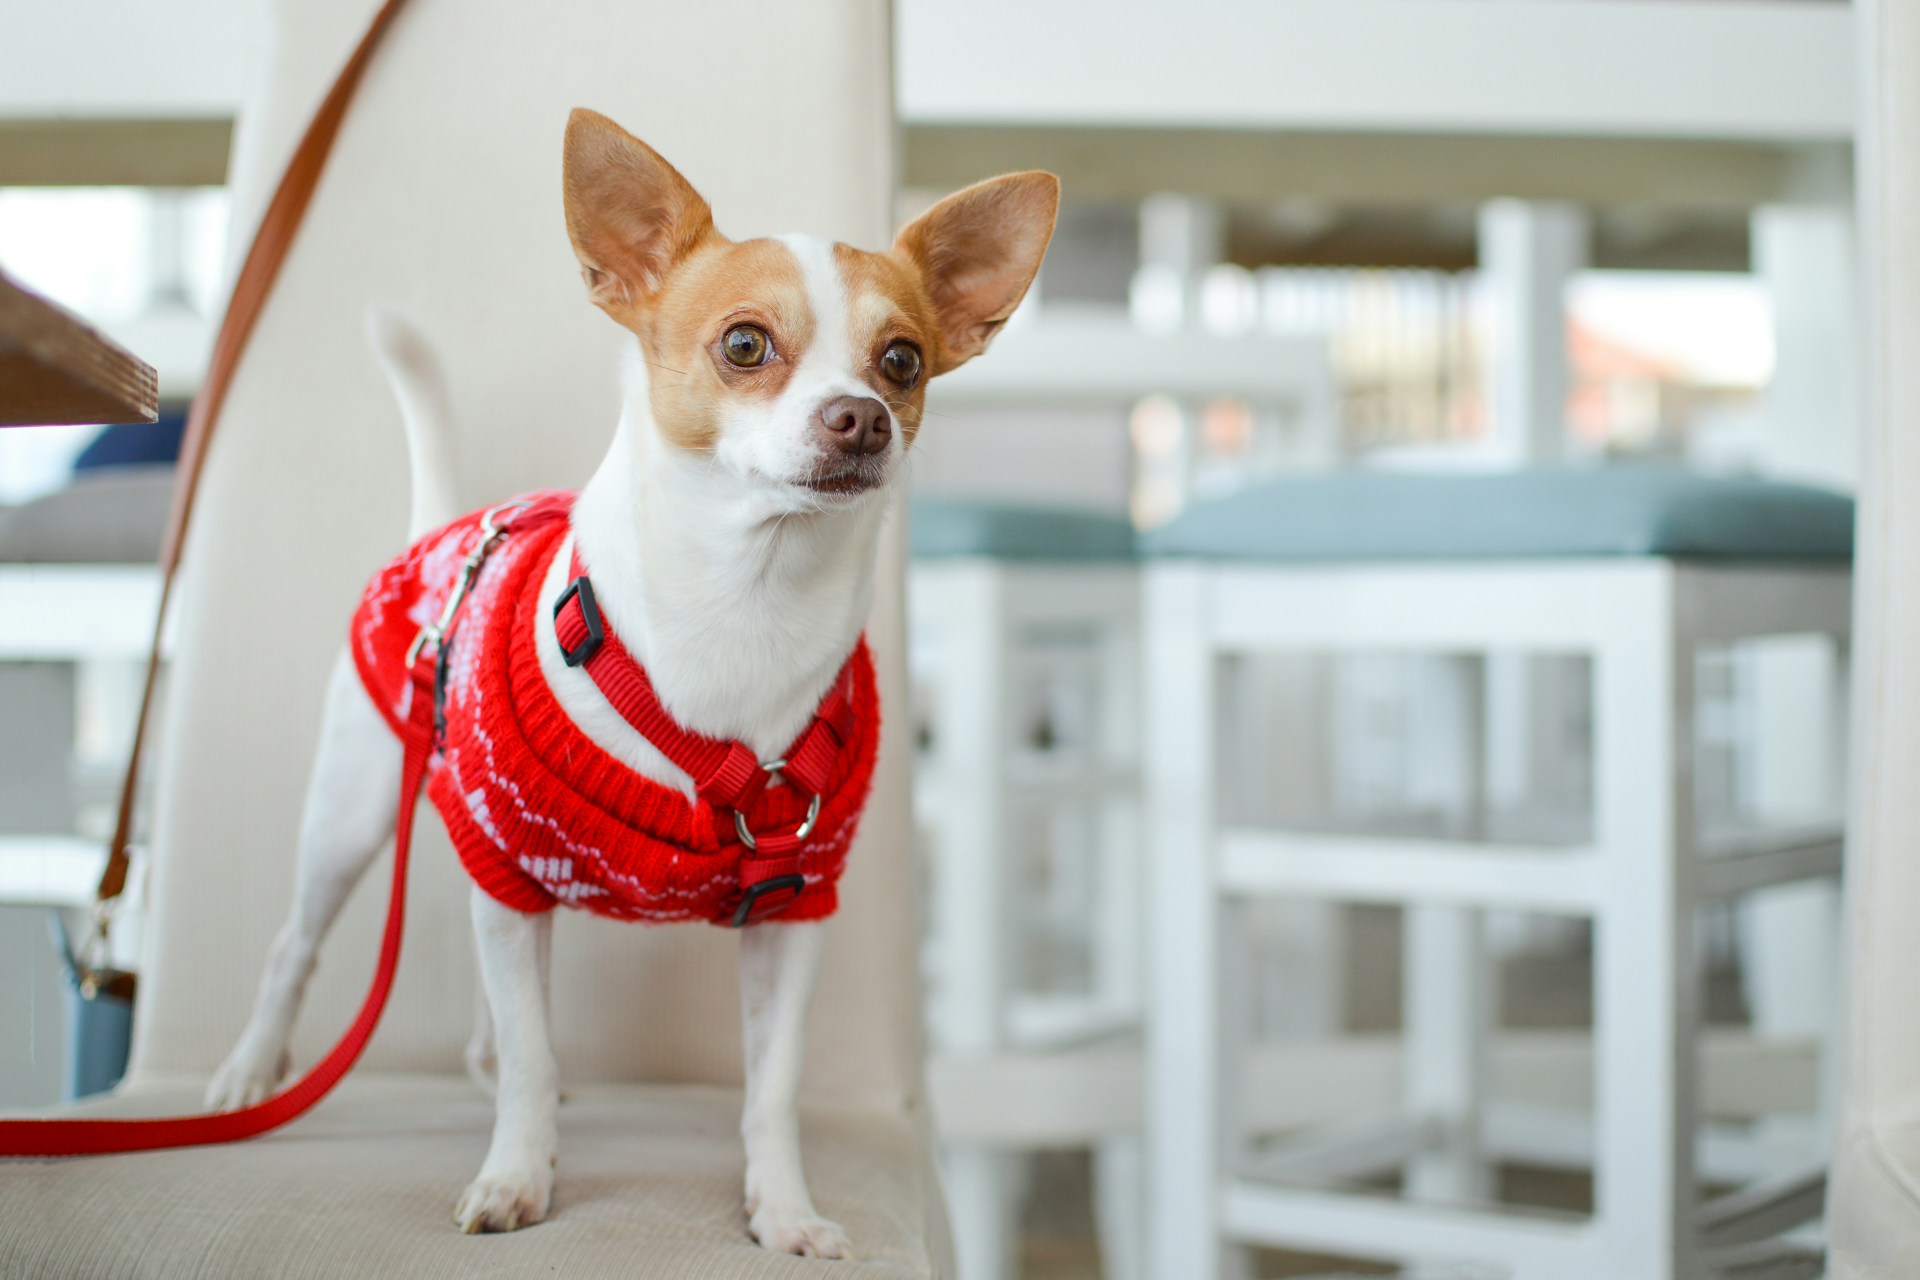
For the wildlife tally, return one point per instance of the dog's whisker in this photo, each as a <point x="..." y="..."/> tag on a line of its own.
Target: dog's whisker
<point x="902" y="406"/>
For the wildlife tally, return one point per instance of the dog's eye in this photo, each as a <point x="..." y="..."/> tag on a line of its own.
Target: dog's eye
<point x="745" y="346"/>
<point x="901" y="363"/>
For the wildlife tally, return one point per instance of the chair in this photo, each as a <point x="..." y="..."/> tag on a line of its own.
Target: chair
<point x="1637" y="569"/>
<point x="1025" y="627"/>
<point x="442" y="199"/>
<point x="1874" y="1214"/>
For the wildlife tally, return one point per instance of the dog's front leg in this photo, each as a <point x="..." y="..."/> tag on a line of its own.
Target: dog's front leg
<point x="483" y="1060"/>
<point x="515" y="1185"/>
<point x="778" y="965"/>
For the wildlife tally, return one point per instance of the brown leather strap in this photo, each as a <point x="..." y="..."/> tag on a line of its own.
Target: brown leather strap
<point x="251" y="288"/>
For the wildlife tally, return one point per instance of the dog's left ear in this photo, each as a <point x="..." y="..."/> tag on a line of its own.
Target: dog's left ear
<point x="630" y="214"/>
<point x="977" y="251"/>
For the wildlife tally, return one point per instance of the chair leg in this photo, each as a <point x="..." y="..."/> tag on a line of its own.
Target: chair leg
<point x="1833" y="1034"/>
<point x="1448" y="990"/>
<point x="1120" y="870"/>
<point x="1183" y="1093"/>
<point x="970" y="899"/>
<point x="1120" y="1162"/>
<point x="1119" y="1201"/>
<point x="975" y="729"/>
<point x="982" y="1207"/>
<point x="1647" y="974"/>
<point x="1448" y="1026"/>
<point x="1237" y="978"/>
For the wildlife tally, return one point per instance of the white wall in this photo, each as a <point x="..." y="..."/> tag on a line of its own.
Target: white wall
<point x="179" y="59"/>
<point x="1726" y="69"/>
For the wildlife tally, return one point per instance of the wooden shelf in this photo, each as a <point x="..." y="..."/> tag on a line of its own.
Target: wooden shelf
<point x="56" y="368"/>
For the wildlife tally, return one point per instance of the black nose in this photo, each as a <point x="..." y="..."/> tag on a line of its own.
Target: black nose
<point x="854" y="425"/>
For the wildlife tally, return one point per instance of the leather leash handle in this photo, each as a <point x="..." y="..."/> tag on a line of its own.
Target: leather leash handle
<point x="251" y="288"/>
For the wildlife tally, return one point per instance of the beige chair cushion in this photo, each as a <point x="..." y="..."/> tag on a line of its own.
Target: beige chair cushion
<point x="364" y="1186"/>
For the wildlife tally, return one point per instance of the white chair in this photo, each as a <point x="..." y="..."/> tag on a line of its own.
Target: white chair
<point x="1025" y="657"/>
<point x="1637" y="569"/>
<point x="1874" y="1213"/>
<point x="440" y="199"/>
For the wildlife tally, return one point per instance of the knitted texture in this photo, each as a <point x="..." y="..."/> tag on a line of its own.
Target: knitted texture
<point x="540" y="814"/>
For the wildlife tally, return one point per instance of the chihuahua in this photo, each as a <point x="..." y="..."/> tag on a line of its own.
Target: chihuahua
<point x="773" y="391"/>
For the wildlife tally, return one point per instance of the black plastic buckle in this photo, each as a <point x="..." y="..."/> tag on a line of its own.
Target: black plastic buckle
<point x="589" y="613"/>
<point x="744" y="914"/>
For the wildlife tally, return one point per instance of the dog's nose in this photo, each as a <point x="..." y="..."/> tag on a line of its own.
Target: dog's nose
<point x="854" y="425"/>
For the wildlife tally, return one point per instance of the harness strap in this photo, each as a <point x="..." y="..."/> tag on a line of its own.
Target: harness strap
<point x="813" y="755"/>
<point x="727" y="774"/>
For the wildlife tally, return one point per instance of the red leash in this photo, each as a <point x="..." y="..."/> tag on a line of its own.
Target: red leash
<point x="99" y="1137"/>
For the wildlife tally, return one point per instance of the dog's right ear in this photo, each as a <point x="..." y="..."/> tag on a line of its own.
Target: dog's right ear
<point x="630" y="214"/>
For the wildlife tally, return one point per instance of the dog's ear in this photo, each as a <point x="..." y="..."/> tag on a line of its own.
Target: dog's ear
<point x="630" y="214"/>
<point x="977" y="251"/>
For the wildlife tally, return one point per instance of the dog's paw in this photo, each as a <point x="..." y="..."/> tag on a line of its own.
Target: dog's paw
<point x="807" y="1234"/>
<point x="505" y="1201"/>
<point x="246" y="1077"/>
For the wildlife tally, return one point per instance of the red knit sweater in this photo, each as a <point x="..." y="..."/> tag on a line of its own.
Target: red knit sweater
<point x="540" y="814"/>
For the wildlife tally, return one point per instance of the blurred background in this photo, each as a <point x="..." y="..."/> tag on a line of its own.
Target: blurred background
<point x="1303" y="239"/>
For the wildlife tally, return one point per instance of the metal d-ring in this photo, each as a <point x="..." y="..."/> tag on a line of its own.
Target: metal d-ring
<point x="490" y="527"/>
<point x="806" y="827"/>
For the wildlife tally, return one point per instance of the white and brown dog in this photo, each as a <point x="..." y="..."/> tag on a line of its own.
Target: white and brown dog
<point x="776" y="387"/>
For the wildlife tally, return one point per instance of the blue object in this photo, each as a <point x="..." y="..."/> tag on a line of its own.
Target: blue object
<point x="99" y="1027"/>
<point x="1623" y="510"/>
<point x="99" y="1038"/>
<point x="940" y="527"/>
<point x="136" y="444"/>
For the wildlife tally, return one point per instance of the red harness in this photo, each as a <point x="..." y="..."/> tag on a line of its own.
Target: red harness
<point x="539" y="813"/>
<point x="755" y="873"/>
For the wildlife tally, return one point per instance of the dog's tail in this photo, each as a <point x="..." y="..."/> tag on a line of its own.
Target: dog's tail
<point x="421" y="388"/>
